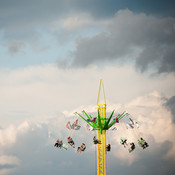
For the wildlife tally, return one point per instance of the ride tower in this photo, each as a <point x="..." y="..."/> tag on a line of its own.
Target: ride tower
<point x="101" y="124"/>
<point x="101" y="134"/>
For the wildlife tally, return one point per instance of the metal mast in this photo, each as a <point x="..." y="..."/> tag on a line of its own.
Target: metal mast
<point x="101" y="148"/>
<point x="101" y="124"/>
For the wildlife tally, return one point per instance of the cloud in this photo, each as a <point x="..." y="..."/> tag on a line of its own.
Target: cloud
<point x="34" y="150"/>
<point x="170" y="105"/>
<point x="28" y="15"/>
<point x="147" y="162"/>
<point x="76" y="22"/>
<point x="153" y="120"/>
<point x="5" y="171"/>
<point x="21" y="20"/>
<point x="34" y="139"/>
<point x="46" y="90"/>
<point x="15" y="46"/>
<point x="9" y="163"/>
<point x="123" y="38"/>
<point x="8" y="135"/>
<point x="38" y="101"/>
<point x="149" y="111"/>
<point x="145" y="40"/>
<point x="7" y="160"/>
<point x="28" y="24"/>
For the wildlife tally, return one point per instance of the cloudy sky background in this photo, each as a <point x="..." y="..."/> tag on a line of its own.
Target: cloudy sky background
<point x="52" y="56"/>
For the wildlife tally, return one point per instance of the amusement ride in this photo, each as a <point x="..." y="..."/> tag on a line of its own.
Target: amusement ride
<point x="101" y="124"/>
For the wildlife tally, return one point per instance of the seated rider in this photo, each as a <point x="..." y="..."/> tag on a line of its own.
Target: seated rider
<point x="71" y="142"/>
<point x="56" y="143"/>
<point x="116" y="120"/>
<point x="96" y="141"/>
<point x="79" y="150"/>
<point x="123" y="141"/>
<point x="145" y="144"/>
<point x="142" y="143"/>
<point x="75" y="125"/>
<point x="132" y="147"/>
<point x="83" y="147"/>
<point x="92" y="120"/>
<point x="59" y="143"/>
<point x="108" y="147"/>
<point x="137" y="125"/>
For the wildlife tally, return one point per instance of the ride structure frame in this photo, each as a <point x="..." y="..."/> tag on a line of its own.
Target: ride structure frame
<point x="102" y="124"/>
<point x="101" y="148"/>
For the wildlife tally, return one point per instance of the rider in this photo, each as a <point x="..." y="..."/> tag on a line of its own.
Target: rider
<point x="96" y="141"/>
<point x="132" y="147"/>
<point x="71" y="142"/>
<point x="142" y="143"/>
<point x="83" y="147"/>
<point x="123" y="141"/>
<point x="58" y="143"/>
<point x="108" y="147"/>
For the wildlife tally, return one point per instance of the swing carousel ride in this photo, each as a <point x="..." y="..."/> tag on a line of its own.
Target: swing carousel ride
<point x="101" y="124"/>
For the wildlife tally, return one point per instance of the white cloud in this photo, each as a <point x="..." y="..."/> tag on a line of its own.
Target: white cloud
<point x="9" y="134"/>
<point x="6" y="171"/>
<point x="153" y="118"/>
<point x="82" y="20"/>
<point x="74" y="22"/>
<point x="23" y="127"/>
<point x="156" y="126"/>
<point x="40" y="91"/>
<point x="156" y="120"/>
<point x="40" y="100"/>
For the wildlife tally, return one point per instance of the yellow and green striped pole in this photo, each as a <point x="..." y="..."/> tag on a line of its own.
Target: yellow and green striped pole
<point x="101" y="125"/>
<point x="101" y="148"/>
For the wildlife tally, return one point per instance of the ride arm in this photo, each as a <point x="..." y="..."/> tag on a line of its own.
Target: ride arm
<point x="106" y="123"/>
<point x="120" y="116"/>
<point x="89" y="117"/>
<point x="84" y="119"/>
<point x="111" y="124"/>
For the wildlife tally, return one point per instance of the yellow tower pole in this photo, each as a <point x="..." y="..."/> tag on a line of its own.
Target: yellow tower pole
<point x="101" y="148"/>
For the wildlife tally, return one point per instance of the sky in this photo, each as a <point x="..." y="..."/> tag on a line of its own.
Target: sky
<point x="52" y="57"/>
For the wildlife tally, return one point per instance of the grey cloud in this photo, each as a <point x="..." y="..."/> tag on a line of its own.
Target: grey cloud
<point x="150" y="161"/>
<point x="15" y="46"/>
<point x="171" y="105"/>
<point x="20" y="18"/>
<point x="38" y="155"/>
<point x="145" y="40"/>
<point x="7" y="166"/>
<point x="168" y="61"/>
